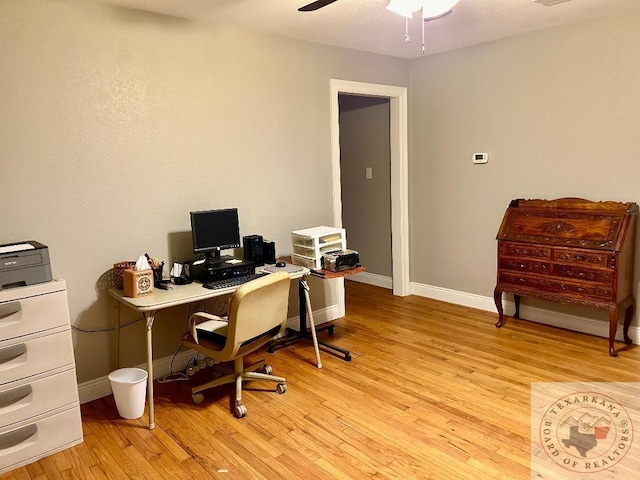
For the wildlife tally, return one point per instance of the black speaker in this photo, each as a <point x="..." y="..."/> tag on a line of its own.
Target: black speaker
<point x="269" y="252"/>
<point x="253" y="249"/>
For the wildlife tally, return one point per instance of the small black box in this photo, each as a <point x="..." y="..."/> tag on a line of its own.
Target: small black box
<point x="269" y="252"/>
<point x="253" y="249"/>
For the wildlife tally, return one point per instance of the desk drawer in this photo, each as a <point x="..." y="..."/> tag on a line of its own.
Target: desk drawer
<point x="556" y="286"/>
<point x="523" y="265"/>
<point x="21" y="359"/>
<point x="31" y="441"/>
<point x="27" y="400"/>
<point x="527" y="250"/>
<point x="580" y="273"/>
<point x="586" y="258"/>
<point x="33" y="314"/>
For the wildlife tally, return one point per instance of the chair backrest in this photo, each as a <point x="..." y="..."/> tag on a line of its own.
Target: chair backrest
<point x="257" y="312"/>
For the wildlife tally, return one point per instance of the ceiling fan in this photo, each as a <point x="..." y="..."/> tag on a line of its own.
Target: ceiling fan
<point x="315" y="5"/>
<point x="430" y="9"/>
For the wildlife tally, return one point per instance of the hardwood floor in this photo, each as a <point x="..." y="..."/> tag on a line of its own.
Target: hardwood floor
<point x="434" y="390"/>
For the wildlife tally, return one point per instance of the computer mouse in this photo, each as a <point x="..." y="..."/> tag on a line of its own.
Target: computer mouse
<point x="280" y="264"/>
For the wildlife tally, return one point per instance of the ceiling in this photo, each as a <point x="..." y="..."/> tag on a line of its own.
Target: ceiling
<point x="367" y="25"/>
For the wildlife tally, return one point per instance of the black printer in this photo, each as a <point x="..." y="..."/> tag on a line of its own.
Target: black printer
<point x="24" y="263"/>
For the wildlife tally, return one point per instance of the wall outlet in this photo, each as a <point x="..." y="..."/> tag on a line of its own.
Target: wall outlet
<point x="368" y="173"/>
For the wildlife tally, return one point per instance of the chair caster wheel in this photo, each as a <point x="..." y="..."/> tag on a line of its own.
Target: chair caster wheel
<point x="270" y="349"/>
<point x="197" y="398"/>
<point x="266" y="369"/>
<point x="281" y="388"/>
<point x="330" y="329"/>
<point x="347" y="357"/>
<point x="240" y="411"/>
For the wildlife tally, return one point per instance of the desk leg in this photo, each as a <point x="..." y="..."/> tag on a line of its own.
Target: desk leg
<point x="150" y="317"/>
<point x="117" y="335"/>
<point x="294" y="335"/>
<point x="497" y="298"/>
<point x="307" y="302"/>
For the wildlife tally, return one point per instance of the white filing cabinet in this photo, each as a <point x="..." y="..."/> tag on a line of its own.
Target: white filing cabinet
<point x="310" y="244"/>
<point x="39" y="407"/>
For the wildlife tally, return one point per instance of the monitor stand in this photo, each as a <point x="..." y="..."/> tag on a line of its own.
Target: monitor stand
<point x="214" y="258"/>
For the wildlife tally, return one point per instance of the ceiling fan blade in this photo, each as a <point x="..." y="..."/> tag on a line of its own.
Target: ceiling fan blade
<point x="315" y="5"/>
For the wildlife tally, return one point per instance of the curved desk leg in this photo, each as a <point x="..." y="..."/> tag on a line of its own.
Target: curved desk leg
<point x="628" y="314"/>
<point x="497" y="297"/>
<point x="150" y="317"/>
<point x="613" y="326"/>
<point x="516" y="299"/>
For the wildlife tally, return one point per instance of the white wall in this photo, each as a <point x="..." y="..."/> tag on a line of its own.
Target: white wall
<point x="116" y="123"/>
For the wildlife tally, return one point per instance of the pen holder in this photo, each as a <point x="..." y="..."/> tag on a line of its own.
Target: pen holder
<point x="157" y="275"/>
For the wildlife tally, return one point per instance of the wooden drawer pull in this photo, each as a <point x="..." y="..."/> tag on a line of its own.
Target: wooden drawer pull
<point x="18" y="439"/>
<point x="14" y="399"/>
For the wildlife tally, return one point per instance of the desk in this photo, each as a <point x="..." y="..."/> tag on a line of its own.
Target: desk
<point x="306" y="312"/>
<point x="160" y="299"/>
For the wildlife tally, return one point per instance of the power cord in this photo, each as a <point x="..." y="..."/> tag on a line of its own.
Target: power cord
<point x="102" y="330"/>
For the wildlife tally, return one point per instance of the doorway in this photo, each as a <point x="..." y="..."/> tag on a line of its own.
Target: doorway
<point x="365" y="172"/>
<point x="398" y="142"/>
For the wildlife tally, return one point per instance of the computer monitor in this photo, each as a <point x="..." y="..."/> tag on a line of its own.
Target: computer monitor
<point x="215" y="230"/>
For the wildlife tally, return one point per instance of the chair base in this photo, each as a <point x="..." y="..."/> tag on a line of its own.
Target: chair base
<point x="241" y="374"/>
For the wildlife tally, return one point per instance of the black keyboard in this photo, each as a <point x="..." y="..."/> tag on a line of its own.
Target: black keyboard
<point x="233" y="282"/>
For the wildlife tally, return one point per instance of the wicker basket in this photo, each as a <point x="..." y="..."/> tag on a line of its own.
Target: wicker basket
<point x="118" y="272"/>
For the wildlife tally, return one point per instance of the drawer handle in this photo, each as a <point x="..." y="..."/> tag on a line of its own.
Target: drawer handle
<point x="7" y="355"/>
<point x="10" y="310"/>
<point x="18" y="439"/>
<point x="14" y="399"/>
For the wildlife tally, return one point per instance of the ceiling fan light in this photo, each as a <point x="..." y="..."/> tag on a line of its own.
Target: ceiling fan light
<point x="436" y="8"/>
<point x="404" y="7"/>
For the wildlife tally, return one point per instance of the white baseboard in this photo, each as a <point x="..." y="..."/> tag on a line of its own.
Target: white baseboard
<point x="372" y="279"/>
<point x="539" y="315"/>
<point x="101" y="387"/>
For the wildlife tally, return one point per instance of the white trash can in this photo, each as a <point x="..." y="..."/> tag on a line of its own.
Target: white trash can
<point x="129" y="386"/>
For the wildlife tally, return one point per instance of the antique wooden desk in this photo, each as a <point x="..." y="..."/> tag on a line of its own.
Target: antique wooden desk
<point x="571" y="251"/>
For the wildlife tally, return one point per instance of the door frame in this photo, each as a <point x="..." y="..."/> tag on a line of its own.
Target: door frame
<point x="398" y="142"/>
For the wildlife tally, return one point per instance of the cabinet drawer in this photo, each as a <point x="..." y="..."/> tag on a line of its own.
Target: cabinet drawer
<point x="31" y="441"/>
<point x="310" y="263"/>
<point x="579" y="273"/>
<point x="522" y="265"/>
<point x="555" y="286"/>
<point x="33" y="314"/>
<point x="525" y="250"/>
<point x="21" y="359"/>
<point x="587" y="258"/>
<point x="18" y="403"/>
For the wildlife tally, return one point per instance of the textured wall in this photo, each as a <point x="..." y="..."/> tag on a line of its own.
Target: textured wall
<point x="557" y="111"/>
<point x="115" y="124"/>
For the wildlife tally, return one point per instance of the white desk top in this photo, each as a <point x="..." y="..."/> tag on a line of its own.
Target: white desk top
<point x="181" y="294"/>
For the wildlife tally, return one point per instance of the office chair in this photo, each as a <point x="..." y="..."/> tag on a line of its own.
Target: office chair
<point x="257" y="313"/>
